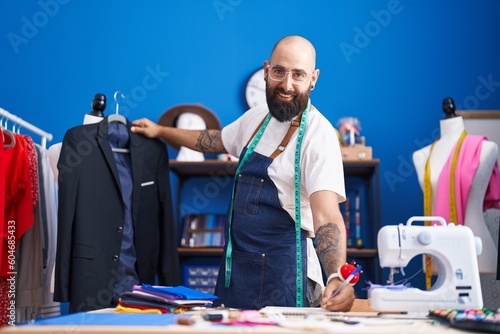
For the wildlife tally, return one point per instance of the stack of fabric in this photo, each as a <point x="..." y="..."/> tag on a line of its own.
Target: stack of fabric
<point x="147" y="298"/>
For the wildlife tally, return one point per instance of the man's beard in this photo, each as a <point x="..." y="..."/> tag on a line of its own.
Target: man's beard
<point x="285" y="111"/>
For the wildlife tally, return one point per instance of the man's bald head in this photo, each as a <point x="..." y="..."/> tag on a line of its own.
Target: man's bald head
<point x="296" y="45"/>
<point x="290" y="76"/>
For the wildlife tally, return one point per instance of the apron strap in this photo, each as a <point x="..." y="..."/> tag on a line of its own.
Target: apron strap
<point x="294" y="125"/>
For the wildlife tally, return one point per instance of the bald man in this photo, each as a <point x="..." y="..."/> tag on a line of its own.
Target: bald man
<point x="287" y="190"/>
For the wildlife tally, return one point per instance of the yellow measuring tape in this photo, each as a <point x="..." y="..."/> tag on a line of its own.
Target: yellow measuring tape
<point x="453" y="200"/>
<point x="428" y="212"/>
<point x="428" y="200"/>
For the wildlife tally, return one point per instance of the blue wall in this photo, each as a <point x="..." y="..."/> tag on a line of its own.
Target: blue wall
<point x="389" y="63"/>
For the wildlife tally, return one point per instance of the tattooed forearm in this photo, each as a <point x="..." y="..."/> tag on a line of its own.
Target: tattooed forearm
<point x="330" y="247"/>
<point x="210" y="141"/>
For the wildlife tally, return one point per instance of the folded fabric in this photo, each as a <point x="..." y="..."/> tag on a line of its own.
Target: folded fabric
<point x="130" y="300"/>
<point x="125" y="309"/>
<point x="175" y="292"/>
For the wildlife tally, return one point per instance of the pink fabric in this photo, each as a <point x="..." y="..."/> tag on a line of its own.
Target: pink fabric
<point x="492" y="197"/>
<point x="466" y="167"/>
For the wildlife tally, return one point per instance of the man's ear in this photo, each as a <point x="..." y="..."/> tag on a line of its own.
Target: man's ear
<point x="314" y="77"/>
<point x="266" y="68"/>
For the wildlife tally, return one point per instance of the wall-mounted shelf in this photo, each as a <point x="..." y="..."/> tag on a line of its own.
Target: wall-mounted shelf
<point x="363" y="173"/>
<point x="217" y="251"/>
<point x="204" y="168"/>
<point x="224" y="168"/>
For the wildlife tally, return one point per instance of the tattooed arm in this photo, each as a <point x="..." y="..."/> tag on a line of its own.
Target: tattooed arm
<point x="331" y="247"/>
<point x="205" y="141"/>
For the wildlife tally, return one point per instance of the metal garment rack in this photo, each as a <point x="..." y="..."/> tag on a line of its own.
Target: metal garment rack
<point x="28" y="126"/>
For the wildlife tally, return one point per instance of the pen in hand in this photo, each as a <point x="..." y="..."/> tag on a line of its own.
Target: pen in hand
<point x="346" y="281"/>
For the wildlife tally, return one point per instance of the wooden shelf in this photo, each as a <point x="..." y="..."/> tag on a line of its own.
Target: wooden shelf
<point x="204" y="230"/>
<point x="203" y="168"/>
<point x="217" y="251"/>
<point x="363" y="173"/>
<point x="362" y="253"/>
<point x="360" y="168"/>
<point x="200" y="251"/>
<point x="222" y="168"/>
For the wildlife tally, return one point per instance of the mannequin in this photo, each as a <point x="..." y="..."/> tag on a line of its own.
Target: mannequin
<point x="452" y="127"/>
<point x="94" y="116"/>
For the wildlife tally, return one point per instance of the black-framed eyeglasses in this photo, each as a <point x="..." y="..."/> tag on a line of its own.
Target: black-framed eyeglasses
<point x="278" y="73"/>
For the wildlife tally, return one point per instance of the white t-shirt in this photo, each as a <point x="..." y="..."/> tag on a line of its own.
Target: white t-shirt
<point x="320" y="163"/>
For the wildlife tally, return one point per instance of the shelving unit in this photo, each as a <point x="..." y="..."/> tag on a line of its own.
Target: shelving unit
<point x="362" y="175"/>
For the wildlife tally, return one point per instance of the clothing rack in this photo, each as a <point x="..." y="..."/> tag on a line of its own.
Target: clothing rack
<point x="22" y="123"/>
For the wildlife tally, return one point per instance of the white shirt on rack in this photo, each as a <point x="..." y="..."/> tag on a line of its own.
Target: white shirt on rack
<point x="55" y="150"/>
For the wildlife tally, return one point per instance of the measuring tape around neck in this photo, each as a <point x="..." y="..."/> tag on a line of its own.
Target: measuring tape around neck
<point x="428" y="199"/>
<point x="251" y="148"/>
<point x="453" y="200"/>
<point x="428" y="212"/>
<point x="299" y="281"/>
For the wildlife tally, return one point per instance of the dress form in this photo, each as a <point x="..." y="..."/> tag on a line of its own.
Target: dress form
<point x="95" y="116"/>
<point x="451" y="130"/>
<point x="91" y="119"/>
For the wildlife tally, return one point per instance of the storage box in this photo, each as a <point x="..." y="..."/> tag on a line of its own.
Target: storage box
<point x="201" y="277"/>
<point x="356" y="153"/>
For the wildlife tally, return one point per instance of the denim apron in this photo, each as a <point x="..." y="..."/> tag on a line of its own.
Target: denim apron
<point x="263" y="237"/>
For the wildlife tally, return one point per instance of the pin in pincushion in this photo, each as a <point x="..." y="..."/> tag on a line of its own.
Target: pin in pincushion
<point x="345" y="270"/>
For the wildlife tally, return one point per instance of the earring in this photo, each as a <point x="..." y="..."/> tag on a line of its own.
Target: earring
<point x="312" y="87"/>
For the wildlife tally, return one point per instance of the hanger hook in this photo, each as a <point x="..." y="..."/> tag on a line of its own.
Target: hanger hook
<point x="117" y="103"/>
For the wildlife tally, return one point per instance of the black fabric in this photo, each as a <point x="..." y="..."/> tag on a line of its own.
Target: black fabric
<point x="91" y="217"/>
<point x="498" y="258"/>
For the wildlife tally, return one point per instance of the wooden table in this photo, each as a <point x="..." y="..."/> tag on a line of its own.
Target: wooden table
<point x="360" y="309"/>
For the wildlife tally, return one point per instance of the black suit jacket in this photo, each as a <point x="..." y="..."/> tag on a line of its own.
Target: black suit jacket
<point x="90" y="215"/>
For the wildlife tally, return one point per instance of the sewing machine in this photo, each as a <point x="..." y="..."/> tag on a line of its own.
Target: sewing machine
<point x="453" y="249"/>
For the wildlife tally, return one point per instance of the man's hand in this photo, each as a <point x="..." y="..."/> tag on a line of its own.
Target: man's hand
<point x="146" y="128"/>
<point x="341" y="302"/>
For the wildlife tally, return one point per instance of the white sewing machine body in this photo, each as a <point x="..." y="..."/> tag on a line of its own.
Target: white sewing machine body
<point x="453" y="249"/>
